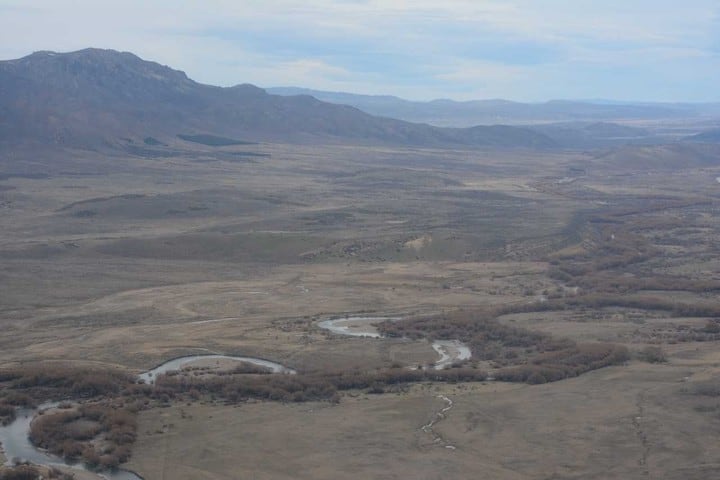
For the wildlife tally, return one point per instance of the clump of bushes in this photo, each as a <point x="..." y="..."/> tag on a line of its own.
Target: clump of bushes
<point x="7" y="414"/>
<point x="60" y="475"/>
<point x="306" y="387"/>
<point x="565" y="363"/>
<point x="20" y="472"/>
<point x="709" y="388"/>
<point x="9" y="401"/>
<point x="17" y="399"/>
<point x="42" y="382"/>
<point x="242" y="368"/>
<point x="28" y="385"/>
<point x="712" y="327"/>
<point x="31" y="472"/>
<point x="487" y="338"/>
<point x="521" y="355"/>
<point x="653" y="354"/>
<point x="96" y="434"/>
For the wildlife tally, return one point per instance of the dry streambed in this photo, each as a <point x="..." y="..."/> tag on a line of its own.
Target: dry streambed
<point x="428" y="427"/>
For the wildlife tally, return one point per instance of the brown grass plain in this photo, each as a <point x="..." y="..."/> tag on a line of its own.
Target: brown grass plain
<point x="147" y="259"/>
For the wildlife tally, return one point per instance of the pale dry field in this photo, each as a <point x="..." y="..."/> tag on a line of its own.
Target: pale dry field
<point x="620" y="422"/>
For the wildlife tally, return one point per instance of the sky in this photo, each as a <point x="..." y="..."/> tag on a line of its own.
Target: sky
<point x="524" y="50"/>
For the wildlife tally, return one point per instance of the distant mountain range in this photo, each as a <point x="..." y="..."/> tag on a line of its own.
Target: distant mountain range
<point x="105" y="97"/>
<point x="114" y="99"/>
<point x="487" y="112"/>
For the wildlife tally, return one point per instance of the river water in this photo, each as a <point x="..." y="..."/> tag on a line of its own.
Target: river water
<point x="179" y="363"/>
<point x="450" y="351"/>
<point x="15" y="437"/>
<point x="355" y="326"/>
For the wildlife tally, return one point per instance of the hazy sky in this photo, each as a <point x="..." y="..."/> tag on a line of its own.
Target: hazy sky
<point x="421" y="49"/>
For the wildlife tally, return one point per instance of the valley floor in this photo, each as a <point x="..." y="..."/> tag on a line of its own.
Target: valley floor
<point x="148" y="259"/>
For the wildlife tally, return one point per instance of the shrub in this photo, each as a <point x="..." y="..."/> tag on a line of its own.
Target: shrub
<point x="20" y="472"/>
<point x="712" y="326"/>
<point x="71" y="434"/>
<point x="706" y="389"/>
<point x="653" y="354"/>
<point x="524" y="355"/>
<point x="57" y="381"/>
<point x="17" y="399"/>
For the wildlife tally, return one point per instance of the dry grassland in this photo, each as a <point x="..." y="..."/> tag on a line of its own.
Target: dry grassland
<point x="138" y="260"/>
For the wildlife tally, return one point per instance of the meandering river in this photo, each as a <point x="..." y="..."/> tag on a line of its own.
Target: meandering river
<point x="179" y="363"/>
<point x="15" y="440"/>
<point x="450" y="351"/>
<point x="15" y="437"/>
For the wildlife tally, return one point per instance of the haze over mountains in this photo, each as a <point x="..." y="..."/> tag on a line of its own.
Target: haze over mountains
<point x="444" y="112"/>
<point x="103" y="95"/>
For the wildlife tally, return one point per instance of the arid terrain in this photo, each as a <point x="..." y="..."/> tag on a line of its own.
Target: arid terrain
<point x="537" y="259"/>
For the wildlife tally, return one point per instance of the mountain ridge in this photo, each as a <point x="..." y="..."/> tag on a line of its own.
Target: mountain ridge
<point x="93" y="96"/>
